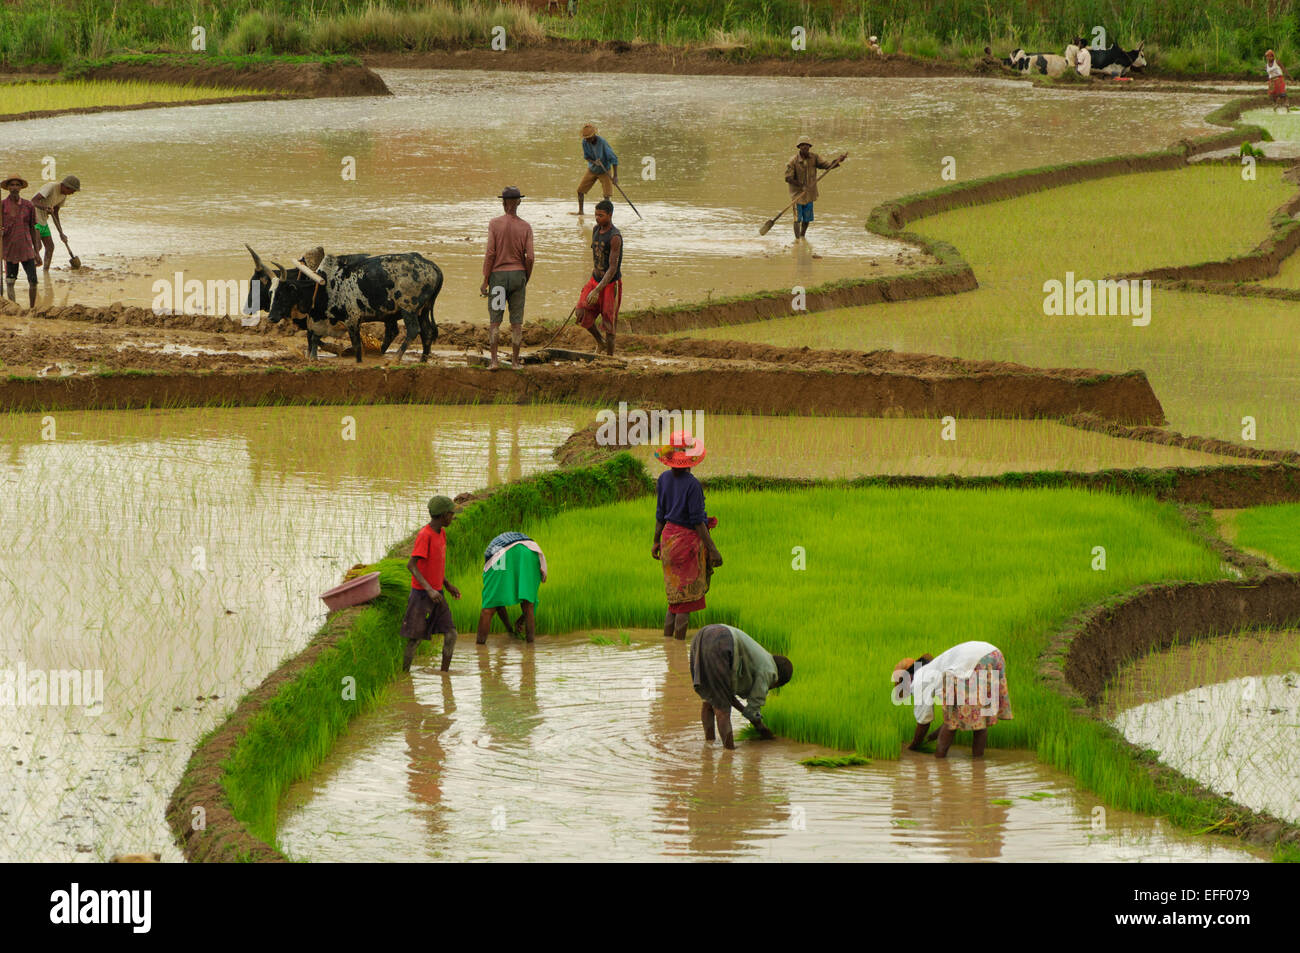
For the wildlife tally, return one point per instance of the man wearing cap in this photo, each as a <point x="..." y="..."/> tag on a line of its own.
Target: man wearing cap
<point x="601" y="164"/>
<point x="48" y="199"/>
<point x="801" y="176"/>
<point x="603" y="292"/>
<point x="21" y="243"/>
<point x="426" y="608"/>
<point x="507" y="266"/>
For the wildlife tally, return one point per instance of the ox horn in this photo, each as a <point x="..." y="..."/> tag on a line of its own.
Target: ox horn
<point x="302" y="266"/>
<point x="280" y="271"/>
<point x="1142" y="44"/>
<point x="257" y="261"/>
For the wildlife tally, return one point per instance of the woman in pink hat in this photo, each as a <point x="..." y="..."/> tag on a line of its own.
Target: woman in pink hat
<point x="682" y="541"/>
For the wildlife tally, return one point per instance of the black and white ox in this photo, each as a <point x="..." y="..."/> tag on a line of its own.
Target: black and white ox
<point x="262" y="284"/>
<point x="1045" y="64"/>
<point x="1116" y="62"/>
<point x="384" y="288"/>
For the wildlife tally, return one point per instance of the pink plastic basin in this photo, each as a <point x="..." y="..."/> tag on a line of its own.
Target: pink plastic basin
<point x="353" y="592"/>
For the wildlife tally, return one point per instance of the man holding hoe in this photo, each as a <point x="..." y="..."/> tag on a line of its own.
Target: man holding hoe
<point x="601" y="165"/>
<point x="603" y="292"/>
<point x="801" y="176"/>
<point x="48" y="199"/>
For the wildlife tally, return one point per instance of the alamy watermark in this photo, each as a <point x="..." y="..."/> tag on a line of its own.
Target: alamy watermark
<point x="630" y="428"/>
<point x="38" y="687"/>
<point x="1107" y="296"/>
<point x="179" y="295"/>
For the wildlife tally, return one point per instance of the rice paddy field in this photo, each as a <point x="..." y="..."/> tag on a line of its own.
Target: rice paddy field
<point x="1211" y="359"/>
<point x="81" y="94"/>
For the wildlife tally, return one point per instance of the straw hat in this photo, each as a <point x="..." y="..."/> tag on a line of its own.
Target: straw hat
<point x="22" y="183"/>
<point x="903" y="664"/>
<point x="72" y="182"/>
<point x="874" y="39"/>
<point x="1267" y="54"/>
<point x="682" y="450"/>
<point x="803" y="140"/>
<point x="510" y="192"/>
<point x="313" y="257"/>
<point x="588" y="131"/>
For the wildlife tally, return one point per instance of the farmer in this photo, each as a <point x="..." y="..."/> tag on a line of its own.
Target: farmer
<point x="1083" y="61"/>
<point x="603" y="292"/>
<point x="725" y="662"/>
<point x="801" y="176"/>
<point x="1072" y="53"/>
<point x="21" y="242"/>
<point x="682" y="541"/>
<point x="602" y="165"/>
<point x="513" y="568"/>
<point x="426" y="609"/>
<point x="969" y="680"/>
<point x="873" y="44"/>
<point x="507" y="266"/>
<point x="1276" y="81"/>
<point x="48" y="199"/>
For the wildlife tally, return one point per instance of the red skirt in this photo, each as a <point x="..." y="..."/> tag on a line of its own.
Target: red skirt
<point x="686" y="568"/>
<point x="1277" y="86"/>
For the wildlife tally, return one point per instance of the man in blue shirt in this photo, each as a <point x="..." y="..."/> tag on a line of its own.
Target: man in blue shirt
<point x="601" y="165"/>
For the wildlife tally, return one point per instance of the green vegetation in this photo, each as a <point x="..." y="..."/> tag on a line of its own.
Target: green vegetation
<point x="835" y="761"/>
<point x="30" y="97"/>
<point x="1211" y="361"/>
<point x="1272" y="529"/>
<point x="1219" y="36"/>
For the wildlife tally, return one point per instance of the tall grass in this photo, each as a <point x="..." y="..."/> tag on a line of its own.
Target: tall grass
<point x="29" y="97"/>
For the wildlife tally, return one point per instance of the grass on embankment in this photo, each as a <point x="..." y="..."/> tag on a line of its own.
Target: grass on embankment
<point x="1211" y="359"/>
<point x="17" y="98"/>
<point x="1274" y="530"/>
<point x="1219" y="36"/>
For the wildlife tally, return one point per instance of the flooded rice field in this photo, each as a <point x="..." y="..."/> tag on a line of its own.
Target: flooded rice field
<point x="570" y="749"/>
<point x="429" y="159"/>
<point x="175" y="558"/>
<point x="843" y="447"/>
<point x="1223" y="711"/>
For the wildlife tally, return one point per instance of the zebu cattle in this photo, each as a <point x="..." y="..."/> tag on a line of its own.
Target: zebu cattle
<point x="1045" y="64"/>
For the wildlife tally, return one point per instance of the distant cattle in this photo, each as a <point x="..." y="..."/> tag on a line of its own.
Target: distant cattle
<point x="1116" y="62"/>
<point x="384" y="288"/>
<point x="1045" y="64"/>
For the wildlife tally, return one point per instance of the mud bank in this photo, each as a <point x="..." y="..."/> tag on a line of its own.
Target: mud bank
<point x="86" y="110"/>
<point x="305" y="79"/>
<point x="576" y="56"/>
<point x="1172" y="438"/>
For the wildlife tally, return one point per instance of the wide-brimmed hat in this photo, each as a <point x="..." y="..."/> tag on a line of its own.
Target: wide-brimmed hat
<point x="903" y="664"/>
<point x="510" y="192"/>
<point x="72" y="182"/>
<point x="802" y="140"/>
<point x="682" y="450"/>
<point x="22" y="182"/>
<point x="1267" y="54"/>
<point x="588" y="131"/>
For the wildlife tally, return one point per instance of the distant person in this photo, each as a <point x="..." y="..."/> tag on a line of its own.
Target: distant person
<point x="1072" y="53"/>
<point x="801" y="177"/>
<point x="427" y="611"/>
<point x="1276" y="81"/>
<point x="573" y="8"/>
<point x="603" y="293"/>
<point x="507" y="265"/>
<point x="1083" y="61"/>
<point x="682" y="541"/>
<point x="602" y="165"/>
<point x="514" y="566"/>
<point x="725" y="663"/>
<point x="873" y="44"/>
<point x="969" y="680"/>
<point x="48" y="200"/>
<point x="21" y="241"/>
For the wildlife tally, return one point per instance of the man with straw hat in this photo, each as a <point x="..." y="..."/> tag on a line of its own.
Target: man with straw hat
<point x="21" y="241"/>
<point x="427" y="611"/>
<point x="601" y="165"/>
<point x="801" y="177"/>
<point x="507" y="266"/>
<point x="682" y="541"/>
<point x="48" y="200"/>
<point x="725" y="663"/>
<point x="1276" y="81"/>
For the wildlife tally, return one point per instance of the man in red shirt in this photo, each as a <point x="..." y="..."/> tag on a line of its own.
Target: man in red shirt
<point x="20" y="241"/>
<point x="426" y="609"/>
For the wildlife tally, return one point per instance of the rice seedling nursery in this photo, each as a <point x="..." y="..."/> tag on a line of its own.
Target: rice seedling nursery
<point x="949" y="563"/>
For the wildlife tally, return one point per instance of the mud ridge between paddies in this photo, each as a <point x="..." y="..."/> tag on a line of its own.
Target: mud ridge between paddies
<point x="83" y="358"/>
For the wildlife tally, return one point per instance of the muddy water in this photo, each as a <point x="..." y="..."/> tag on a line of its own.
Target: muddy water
<point x="569" y="750"/>
<point x="181" y="554"/>
<point x="842" y="447"/>
<point x="429" y="159"/>
<point x="1225" y="712"/>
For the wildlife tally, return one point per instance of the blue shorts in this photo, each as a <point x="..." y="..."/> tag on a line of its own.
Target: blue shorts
<point x="803" y="213"/>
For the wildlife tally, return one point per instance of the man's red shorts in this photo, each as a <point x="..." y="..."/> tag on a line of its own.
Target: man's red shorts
<point x="610" y="299"/>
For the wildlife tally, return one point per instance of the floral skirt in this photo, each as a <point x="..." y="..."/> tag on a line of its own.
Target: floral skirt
<point x="686" y="568"/>
<point x="972" y="704"/>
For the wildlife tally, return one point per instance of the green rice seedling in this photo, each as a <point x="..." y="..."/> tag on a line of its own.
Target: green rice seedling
<point x="1272" y="529"/>
<point x="597" y="639"/>
<point x="835" y="761"/>
<point x="1210" y="360"/>
<point x="35" y="96"/>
